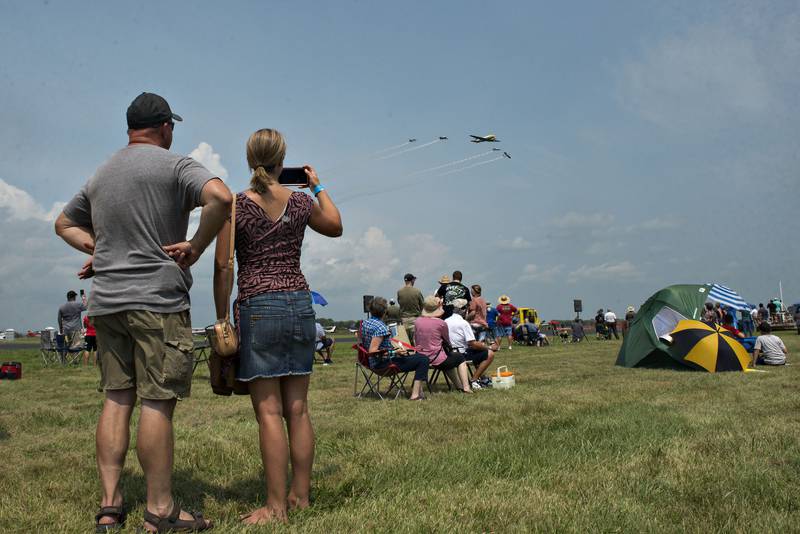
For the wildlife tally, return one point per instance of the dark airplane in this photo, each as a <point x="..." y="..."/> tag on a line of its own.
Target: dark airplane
<point x="442" y="138"/>
<point x="506" y="154"/>
<point x="495" y="150"/>
<point x="412" y="140"/>
<point x="484" y="138"/>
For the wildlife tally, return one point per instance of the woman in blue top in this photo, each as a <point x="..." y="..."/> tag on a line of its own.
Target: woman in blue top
<point x="375" y="336"/>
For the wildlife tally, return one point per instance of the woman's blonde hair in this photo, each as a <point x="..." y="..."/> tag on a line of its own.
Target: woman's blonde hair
<point x="266" y="149"/>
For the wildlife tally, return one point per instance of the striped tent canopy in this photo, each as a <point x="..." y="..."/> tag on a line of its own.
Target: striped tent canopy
<point x="728" y="297"/>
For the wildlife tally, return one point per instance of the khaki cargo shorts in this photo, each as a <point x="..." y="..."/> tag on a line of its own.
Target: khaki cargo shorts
<point x="149" y="351"/>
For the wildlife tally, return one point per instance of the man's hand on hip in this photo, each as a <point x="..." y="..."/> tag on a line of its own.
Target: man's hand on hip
<point x="184" y="254"/>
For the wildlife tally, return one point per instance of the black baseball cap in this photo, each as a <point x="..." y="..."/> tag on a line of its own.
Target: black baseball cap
<point x="409" y="277"/>
<point x="149" y="109"/>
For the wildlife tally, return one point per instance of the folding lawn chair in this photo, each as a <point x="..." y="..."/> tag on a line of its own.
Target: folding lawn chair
<point x="372" y="377"/>
<point x="201" y="350"/>
<point x="69" y="353"/>
<point x="47" y="346"/>
<point x="437" y="372"/>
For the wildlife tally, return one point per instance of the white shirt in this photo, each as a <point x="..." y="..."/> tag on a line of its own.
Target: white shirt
<point x="610" y="317"/>
<point x="460" y="332"/>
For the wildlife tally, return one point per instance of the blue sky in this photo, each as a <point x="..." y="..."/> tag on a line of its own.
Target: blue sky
<point x="652" y="144"/>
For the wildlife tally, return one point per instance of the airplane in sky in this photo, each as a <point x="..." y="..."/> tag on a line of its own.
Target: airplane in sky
<point x="442" y="138"/>
<point x="496" y="150"/>
<point x="412" y="140"/>
<point x="506" y="154"/>
<point x="484" y="138"/>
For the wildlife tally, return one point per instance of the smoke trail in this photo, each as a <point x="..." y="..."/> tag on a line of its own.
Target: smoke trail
<point x="471" y="166"/>
<point x="363" y="158"/>
<point x="415" y="182"/>
<point x="450" y="164"/>
<point x="429" y="143"/>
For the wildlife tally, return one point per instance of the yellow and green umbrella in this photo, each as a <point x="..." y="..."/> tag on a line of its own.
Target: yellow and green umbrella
<point x="708" y="346"/>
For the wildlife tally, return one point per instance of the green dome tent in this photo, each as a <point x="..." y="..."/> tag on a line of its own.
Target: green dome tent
<point x="657" y="317"/>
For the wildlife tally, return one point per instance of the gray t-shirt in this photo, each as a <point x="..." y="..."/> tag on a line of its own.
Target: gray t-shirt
<point x="137" y="202"/>
<point x="771" y="347"/>
<point x="69" y="315"/>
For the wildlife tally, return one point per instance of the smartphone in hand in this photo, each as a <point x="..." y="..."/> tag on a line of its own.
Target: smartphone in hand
<point x="295" y="176"/>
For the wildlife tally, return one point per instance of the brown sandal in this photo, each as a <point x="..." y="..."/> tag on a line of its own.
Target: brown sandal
<point x="173" y="523"/>
<point x="117" y="512"/>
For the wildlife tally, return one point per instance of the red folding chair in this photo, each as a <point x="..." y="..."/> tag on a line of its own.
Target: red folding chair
<point x="373" y="377"/>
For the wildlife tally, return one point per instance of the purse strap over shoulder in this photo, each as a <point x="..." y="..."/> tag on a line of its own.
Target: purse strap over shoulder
<point x="231" y="252"/>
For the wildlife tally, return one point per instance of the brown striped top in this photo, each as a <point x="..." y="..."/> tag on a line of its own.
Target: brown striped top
<point x="268" y="252"/>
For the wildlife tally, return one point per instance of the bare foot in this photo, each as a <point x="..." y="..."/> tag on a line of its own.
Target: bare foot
<point x="296" y="503"/>
<point x="263" y="516"/>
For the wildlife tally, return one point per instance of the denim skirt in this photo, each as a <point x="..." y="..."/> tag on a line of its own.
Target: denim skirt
<point x="277" y="335"/>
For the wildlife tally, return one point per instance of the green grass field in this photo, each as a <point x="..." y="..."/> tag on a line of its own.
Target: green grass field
<point x="578" y="445"/>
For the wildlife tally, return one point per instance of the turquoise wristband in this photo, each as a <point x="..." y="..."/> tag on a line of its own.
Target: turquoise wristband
<point x="319" y="188"/>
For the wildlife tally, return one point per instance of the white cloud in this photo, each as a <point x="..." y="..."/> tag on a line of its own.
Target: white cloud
<point x="582" y="220"/>
<point x="704" y="78"/>
<point x="518" y="243"/>
<point x="204" y="154"/>
<point x="363" y="262"/>
<point x="658" y="223"/>
<point x="607" y="271"/>
<point x="534" y="273"/>
<point x="19" y="205"/>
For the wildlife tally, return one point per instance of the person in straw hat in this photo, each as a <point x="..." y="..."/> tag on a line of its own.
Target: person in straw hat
<point x="505" y="318"/>
<point x="431" y="334"/>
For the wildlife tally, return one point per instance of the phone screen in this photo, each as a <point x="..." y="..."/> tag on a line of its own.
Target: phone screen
<point x="293" y="176"/>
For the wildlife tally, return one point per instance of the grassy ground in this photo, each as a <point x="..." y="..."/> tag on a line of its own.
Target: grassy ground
<point x="579" y="445"/>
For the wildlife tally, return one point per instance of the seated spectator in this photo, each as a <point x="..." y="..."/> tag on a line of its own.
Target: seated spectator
<point x="463" y="341"/>
<point x="578" y="333"/>
<point x="324" y="344"/>
<point x="375" y="337"/>
<point x="728" y="325"/>
<point x="769" y="348"/>
<point x="431" y="336"/>
<point x="528" y="333"/>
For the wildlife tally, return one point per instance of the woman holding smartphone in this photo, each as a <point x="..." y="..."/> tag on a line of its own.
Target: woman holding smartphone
<point x="274" y="315"/>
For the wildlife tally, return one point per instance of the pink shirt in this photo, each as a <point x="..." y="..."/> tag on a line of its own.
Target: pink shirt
<point x="478" y="305"/>
<point x="428" y="335"/>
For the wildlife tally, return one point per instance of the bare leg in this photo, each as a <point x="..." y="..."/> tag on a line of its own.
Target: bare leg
<point x="510" y="341"/>
<point x="483" y="366"/>
<point x="462" y="375"/>
<point x="265" y="394"/>
<point x="416" y="389"/>
<point x="155" y="447"/>
<point x="111" y="443"/>
<point x="294" y="391"/>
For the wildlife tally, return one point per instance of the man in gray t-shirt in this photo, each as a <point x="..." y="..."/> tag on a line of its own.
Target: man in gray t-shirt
<point x="132" y="217"/>
<point x="69" y="314"/>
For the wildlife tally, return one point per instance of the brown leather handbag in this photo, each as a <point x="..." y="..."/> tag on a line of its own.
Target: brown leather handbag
<point x="222" y="335"/>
